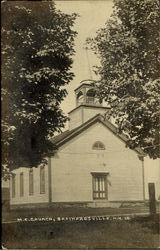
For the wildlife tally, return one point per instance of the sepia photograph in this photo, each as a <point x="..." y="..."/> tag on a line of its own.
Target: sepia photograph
<point x="80" y="100"/>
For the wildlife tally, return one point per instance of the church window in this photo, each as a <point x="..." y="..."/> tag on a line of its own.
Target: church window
<point x="80" y="98"/>
<point x="90" y="98"/>
<point x="100" y="186"/>
<point x="31" y="187"/>
<point x="21" y="184"/>
<point x="13" y="185"/>
<point x="98" y="145"/>
<point x="42" y="180"/>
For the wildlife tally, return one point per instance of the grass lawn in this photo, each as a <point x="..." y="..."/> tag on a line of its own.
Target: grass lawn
<point x="91" y="234"/>
<point x="139" y="232"/>
<point x="69" y="211"/>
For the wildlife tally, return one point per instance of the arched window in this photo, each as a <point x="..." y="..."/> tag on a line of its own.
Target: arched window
<point x="42" y="180"/>
<point x="98" y="145"/>
<point x="80" y="98"/>
<point x="31" y="187"/>
<point x="13" y="185"/>
<point x="21" y="184"/>
<point x="90" y="96"/>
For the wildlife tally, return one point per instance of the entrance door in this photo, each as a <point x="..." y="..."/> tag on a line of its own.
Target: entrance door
<point x="100" y="186"/>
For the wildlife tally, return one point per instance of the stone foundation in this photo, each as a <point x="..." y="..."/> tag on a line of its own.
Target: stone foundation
<point x="94" y="204"/>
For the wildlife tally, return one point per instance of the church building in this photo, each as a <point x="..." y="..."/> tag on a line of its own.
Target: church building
<point x="91" y="167"/>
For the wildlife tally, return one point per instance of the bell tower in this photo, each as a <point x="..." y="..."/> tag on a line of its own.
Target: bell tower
<point x="87" y="104"/>
<point x="86" y="94"/>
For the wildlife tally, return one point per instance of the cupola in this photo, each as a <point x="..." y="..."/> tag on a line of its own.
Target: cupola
<point x="87" y="104"/>
<point x="86" y="94"/>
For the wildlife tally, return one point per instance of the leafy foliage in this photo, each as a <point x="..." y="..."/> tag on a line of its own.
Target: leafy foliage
<point x="129" y="50"/>
<point x="37" y="49"/>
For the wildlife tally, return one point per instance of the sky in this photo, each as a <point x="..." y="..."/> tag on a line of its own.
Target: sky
<point x="93" y="15"/>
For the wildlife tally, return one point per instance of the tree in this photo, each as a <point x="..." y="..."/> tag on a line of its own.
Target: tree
<point x="129" y="49"/>
<point x="37" y="49"/>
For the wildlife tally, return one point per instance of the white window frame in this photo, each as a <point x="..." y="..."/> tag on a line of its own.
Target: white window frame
<point x="42" y="179"/>
<point x="31" y="182"/>
<point x="21" y="183"/>
<point x="99" y="185"/>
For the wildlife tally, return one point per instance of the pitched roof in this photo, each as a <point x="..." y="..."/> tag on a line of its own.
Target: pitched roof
<point x="64" y="137"/>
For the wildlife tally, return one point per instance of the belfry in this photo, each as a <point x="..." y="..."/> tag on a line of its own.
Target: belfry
<point x="87" y="104"/>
